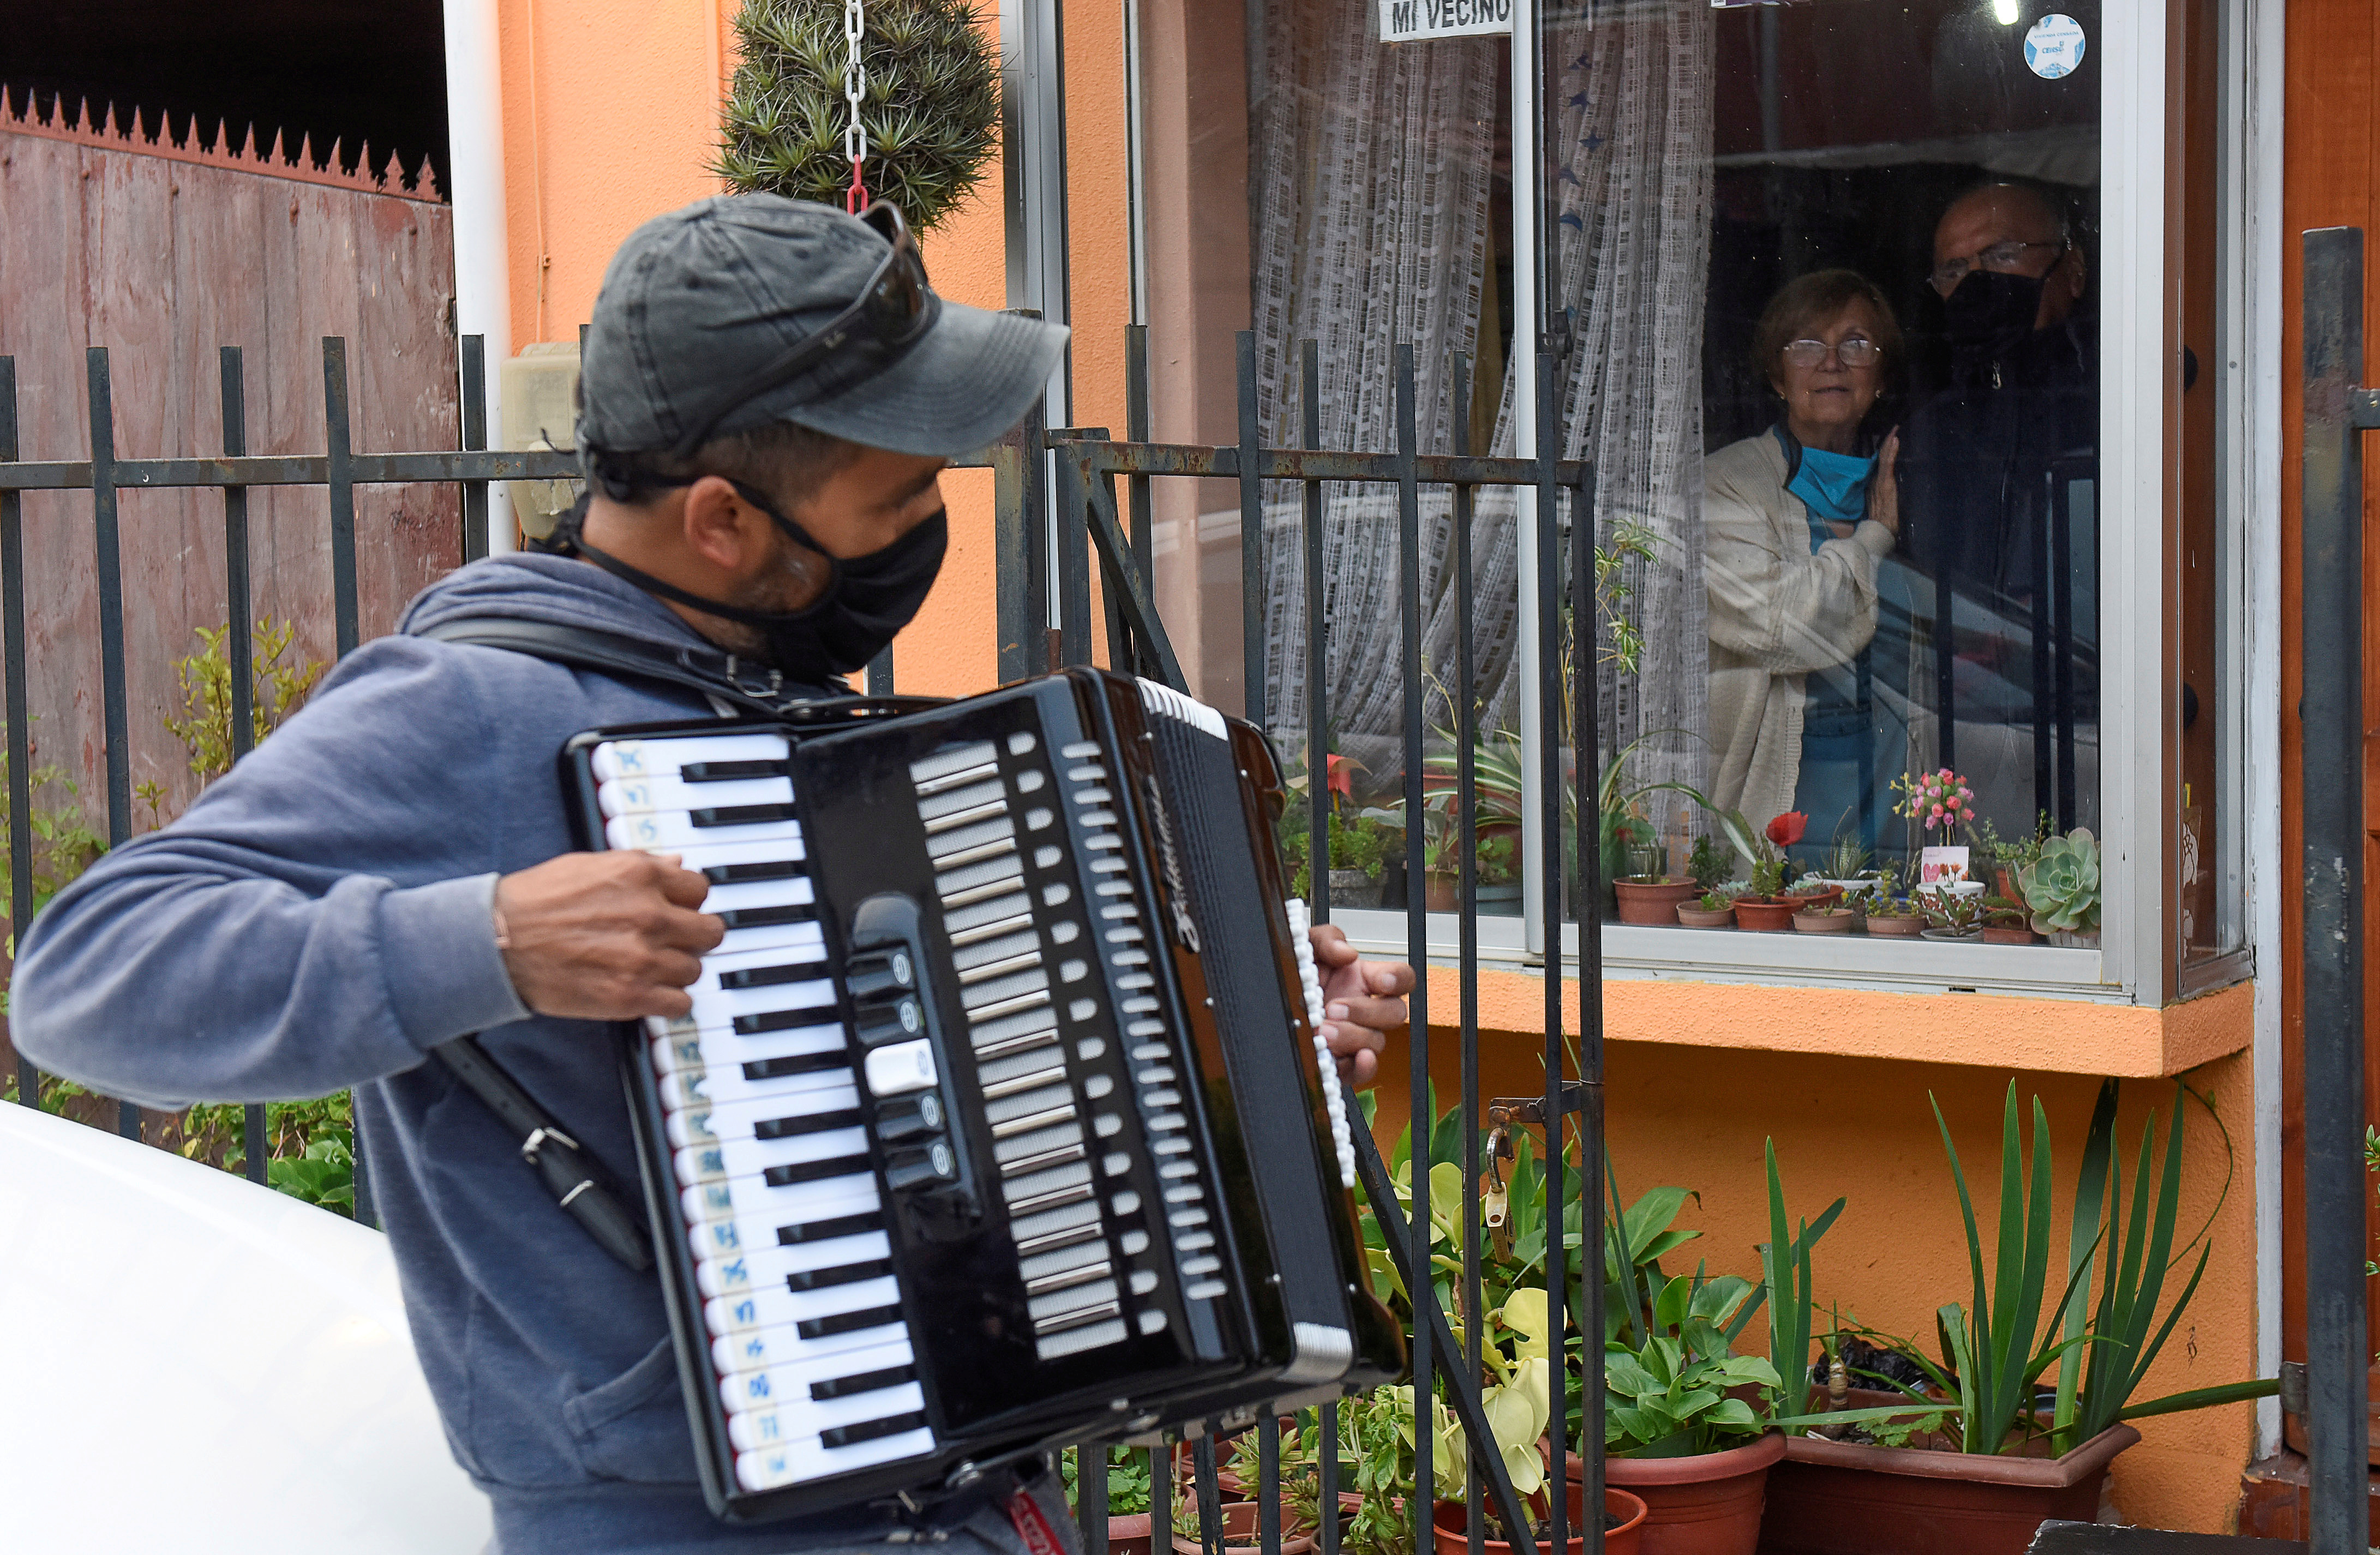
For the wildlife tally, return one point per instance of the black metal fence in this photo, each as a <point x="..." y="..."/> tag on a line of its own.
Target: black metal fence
<point x="1067" y="479"/>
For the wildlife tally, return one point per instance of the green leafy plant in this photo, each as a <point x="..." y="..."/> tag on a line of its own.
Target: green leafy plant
<point x="1958" y="912"/>
<point x="2062" y="885"/>
<point x="64" y="844"/>
<point x="1716" y="901"/>
<point x="279" y="682"/>
<point x="931" y="109"/>
<point x="1708" y="864"/>
<point x="1669" y="1397"/>
<point x="1847" y="859"/>
<point x="1995" y="1349"/>
<point x="1356" y="842"/>
<point x="1128" y="1480"/>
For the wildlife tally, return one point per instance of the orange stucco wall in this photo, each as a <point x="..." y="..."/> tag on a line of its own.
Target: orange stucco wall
<point x="609" y="119"/>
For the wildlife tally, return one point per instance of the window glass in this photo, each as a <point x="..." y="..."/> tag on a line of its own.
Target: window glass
<point x="1830" y="274"/>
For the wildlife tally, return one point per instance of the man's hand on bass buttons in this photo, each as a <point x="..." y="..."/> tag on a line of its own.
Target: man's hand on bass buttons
<point x="1362" y="1003"/>
<point x="605" y="936"/>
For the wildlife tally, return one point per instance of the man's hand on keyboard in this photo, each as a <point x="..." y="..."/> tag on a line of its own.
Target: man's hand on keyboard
<point x="1363" y="1002"/>
<point x="605" y="936"/>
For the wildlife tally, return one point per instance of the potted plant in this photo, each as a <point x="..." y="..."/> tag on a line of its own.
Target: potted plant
<point x="2061" y="887"/>
<point x="1830" y="917"/>
<point x="1713" y="910"/>
<point x="1653" y="898"/>
<point x="1983" y="1460"/>
<point x="1890" y="912"/>
<point x="1129" y="1504"/>
<point x="2008" y="859"/>
<point x="1845" y="867"/>
<point x="1710" y="866"/>
<point x="1952" y="915"/>
<point x="2005" y="923"/>
<point x="1623" y="1523"/>
<point x="1765" y="906"/>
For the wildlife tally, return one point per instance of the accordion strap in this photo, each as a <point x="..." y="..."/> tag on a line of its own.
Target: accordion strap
<point x="580" y="1185"/>
<point x="746" y="686"/>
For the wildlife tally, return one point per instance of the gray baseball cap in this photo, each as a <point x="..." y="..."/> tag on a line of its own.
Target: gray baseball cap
<point x="702" y="299"/>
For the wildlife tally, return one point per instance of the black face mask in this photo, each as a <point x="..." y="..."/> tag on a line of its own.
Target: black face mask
<point x="1989" y="314"/>
<point x="866" y="602"/>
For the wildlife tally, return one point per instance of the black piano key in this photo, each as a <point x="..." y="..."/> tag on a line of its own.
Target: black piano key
<point x="848" y="1275"/>
<point x="743" y="815"/>
<point x="799" y="1064"/>
<point x="848" y="1322"/>
<point x="762" y="917"/>
<point x="813" y="1171"/>
<point x="769" y="977"/>
<point x="723" y="772"/>
<point x="865" y="1382"/>
<point x="871" y="1430"/>
<point x="827" y="1231"/>
<point x="781" y="1020"/>
<point x="738" y="874"/>
<point x="816" y="1122"/>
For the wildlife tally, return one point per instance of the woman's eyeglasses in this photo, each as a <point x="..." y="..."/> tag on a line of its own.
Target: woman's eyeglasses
<point x="890" y="311"/>
<point x="1856" y="352"/>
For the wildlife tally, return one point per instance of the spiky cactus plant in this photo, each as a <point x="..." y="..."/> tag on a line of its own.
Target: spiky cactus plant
<point x="931" y="110"/>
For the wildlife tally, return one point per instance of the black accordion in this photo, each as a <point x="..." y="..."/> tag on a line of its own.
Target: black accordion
<point x="1000" y="1122"/>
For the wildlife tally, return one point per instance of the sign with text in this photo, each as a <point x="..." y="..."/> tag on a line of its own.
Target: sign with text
<point x="1415" y="21"/>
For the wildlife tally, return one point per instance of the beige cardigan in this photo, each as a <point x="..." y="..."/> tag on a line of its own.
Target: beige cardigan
<point x="1777" y="613"/>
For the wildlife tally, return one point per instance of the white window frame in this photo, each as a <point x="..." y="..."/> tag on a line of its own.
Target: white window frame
<point x="2130" y="966"/>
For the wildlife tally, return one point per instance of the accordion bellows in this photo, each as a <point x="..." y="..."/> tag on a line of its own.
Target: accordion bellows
<point x="1000" y="1122"/>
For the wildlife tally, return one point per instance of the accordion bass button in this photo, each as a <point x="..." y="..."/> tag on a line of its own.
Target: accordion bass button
<point x="873" y="975"/>
<point x="915" y="1119"/>
<point x="915" y="1170"/>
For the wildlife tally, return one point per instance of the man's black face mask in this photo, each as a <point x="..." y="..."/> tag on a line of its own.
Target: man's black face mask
<point x="866" y="602"/>
<point x="1989" y="314"/>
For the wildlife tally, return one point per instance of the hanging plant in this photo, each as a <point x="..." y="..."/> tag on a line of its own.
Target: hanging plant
<point x="932" y="107"/>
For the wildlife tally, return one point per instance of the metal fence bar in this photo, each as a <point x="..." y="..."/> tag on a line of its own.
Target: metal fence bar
<point x="1251" y="585"/>
<point x="1318" y="692"/>
<point x="1550" y="694"/>
<point x="1160" y="1500"/>
<point x="1135" y="428"/>
<point x="475" y="437"/>
<point x="20" y="741"/>
<point x="2338" y="1351"/>
<point x="1417" y="933"/>
<point x="1466" y="812"/>
<point x="239" y="649"/>
<point x="1269" y="1484"/>
<point x="1585" y="759"/>
<point x="1019" y="557"/>
<point x="114" y="705"/>
<point x="340" y="479"/>
<point x="1091" y="1497"/>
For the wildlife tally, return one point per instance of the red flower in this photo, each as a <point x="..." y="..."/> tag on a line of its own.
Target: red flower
<point x="1786" y="828"/>
<point x="1340" y="775"/>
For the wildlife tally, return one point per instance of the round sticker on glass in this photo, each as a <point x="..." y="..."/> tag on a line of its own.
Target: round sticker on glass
<point x="2053" y="46"/>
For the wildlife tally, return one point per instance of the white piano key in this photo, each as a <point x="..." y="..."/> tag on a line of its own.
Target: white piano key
<point x="767" y="1306"/>
<point x="743" y="1158"/>
<point x="666" y="755"/>
<point x="647" y="796"/>
<point x="832" y="1092"/>
<point x="674" y="832"/>
<point x="796" y="891"/>
<point x="697" y="1084"/>
<point x="723" y="1236"/>
<point x="789" y="1379"/>
<point x="776" y="1468"/>
<point x="782" y="1344"/>
<point x="800" y="1204"/>
<point x="768" y="1267"/>
<point x="713" y="854"/>
<point x="767" y="1420"/>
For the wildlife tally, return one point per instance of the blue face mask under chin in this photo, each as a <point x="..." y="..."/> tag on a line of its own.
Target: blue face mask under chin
<point x="1832" y="486"/>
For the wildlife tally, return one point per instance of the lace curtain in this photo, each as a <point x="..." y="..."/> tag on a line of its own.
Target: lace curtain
<point x="1376" y="169"/>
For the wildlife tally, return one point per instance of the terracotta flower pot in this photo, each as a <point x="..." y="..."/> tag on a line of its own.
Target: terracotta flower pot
<point x="1839" y="1498"/>
<point x="1810" y="922"/>
<point x="1445" y="894"/>
<point x="1813" y="896"/>
<point x="1241" y="1535"/>
<point x="1653" y="902"/>
<point x="1904" y="927"/>
<point x="1129" y="1534"/>
<point x="1707" y="1504"/>
<point x="1766" y="914"/>
<point x="1450" y="1523"/>
<point x="1693" y="916"/>
<point x="2008" y="933"/>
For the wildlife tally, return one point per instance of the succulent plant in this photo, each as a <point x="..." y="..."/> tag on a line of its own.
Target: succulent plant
<point x="931" y="108"/>
<point x="2061" y="887"/>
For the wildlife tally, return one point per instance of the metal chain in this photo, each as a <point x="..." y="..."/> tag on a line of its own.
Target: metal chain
<point x="855" y="91"/>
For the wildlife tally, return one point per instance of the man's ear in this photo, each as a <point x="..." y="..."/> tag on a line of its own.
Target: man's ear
<point x="720" y="526"/>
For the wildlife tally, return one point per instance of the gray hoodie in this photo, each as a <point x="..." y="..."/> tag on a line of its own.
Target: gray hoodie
<point x="321" y="919"/>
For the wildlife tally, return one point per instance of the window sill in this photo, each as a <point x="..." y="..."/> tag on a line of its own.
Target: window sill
<point x="2035" y="1008"/>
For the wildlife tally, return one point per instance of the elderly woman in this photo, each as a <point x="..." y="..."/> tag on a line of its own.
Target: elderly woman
<point x="1797" y="521"/>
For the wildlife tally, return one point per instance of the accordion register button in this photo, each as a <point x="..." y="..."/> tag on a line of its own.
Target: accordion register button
<point x="933" y="1167"/>
<point x="890" y="1022"/>
<point x="901" y="1068"/>
<point x="881" y="972"/>
<point x="909" y="1119"/>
